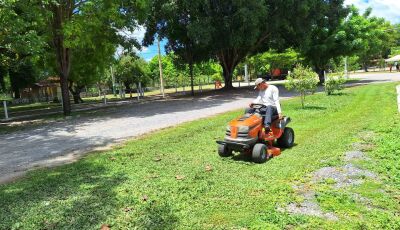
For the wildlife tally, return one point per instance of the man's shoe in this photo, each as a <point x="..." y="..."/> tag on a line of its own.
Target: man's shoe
<point x="267" y="130"/>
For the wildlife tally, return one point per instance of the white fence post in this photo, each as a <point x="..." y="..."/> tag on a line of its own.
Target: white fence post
<point x="5" y="109"/>
<point x="398" y="97"/>
<point x="105" y="98"/>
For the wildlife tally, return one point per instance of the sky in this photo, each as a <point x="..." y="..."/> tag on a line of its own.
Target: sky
<point x="148" y="52"/>
<point x="388" y="9"/>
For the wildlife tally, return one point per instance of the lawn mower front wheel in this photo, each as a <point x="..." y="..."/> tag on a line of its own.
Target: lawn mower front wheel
<point x="260" y="153"/>
<point x="224" y="151"/>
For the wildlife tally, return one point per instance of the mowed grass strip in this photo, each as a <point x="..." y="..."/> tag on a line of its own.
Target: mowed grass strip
<point x="174" y="178"/>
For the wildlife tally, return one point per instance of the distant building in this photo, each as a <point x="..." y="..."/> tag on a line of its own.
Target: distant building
<point x="43" y="91"/>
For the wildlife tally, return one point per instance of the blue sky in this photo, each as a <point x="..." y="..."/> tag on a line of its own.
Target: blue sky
<point x="148" y="52"/>
<point x="388" y="9"/>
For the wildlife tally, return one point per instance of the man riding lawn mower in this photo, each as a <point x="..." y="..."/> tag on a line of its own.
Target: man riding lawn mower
<point x="262" y="124"/>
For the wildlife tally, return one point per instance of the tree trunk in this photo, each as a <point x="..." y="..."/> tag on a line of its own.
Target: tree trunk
<point x="14" y="80"/>
<point x="228" y="75"/>
<point x="128" y="88"/>
<point x="3" y="72"/>
<point x="191" y="77"/>
<point x="77" y="98"/>
<point x="321" y="75"/>
<point x="17" y="94"/>
<point x="228" y="60"/>
<point x="365" y="67"/>
<point x="61" y="14"/>
<point x="76" y="94"/>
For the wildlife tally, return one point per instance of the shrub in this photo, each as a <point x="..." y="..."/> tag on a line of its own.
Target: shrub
<point x="334" y="83"/>
<point x="217" y="77"/>
<point x="303" y="80"/>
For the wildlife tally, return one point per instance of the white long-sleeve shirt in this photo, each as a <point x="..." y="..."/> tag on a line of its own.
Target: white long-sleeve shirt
<point x="270" y="96"/>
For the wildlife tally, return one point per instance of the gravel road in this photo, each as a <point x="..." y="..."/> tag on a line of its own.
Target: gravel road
<point x="64" y="141"/>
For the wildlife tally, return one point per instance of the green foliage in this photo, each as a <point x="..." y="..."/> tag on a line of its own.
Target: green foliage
<point x="22" y="43"/>
<point x="303" y="80"/>
<point x="4" y="97"/>
<point x="344" y="32"/>
<point x="334" y="83"/>
<point x="132" y="70"/>
<point x="175" y="73"/>
<point x="224" y="29"/>
<point x="217" y="77"/>
<point x="374" y="36"/>
<point x="267" y="61"/>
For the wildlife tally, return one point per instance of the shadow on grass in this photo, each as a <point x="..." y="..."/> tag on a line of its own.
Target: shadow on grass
<point x="243" y="156"/>
<point x="246" y="157"/>
<point x="82" y="195"/>
<point x="313" y="107"/>
<point x="77" y="196"/>
<point x="339" y="94"/>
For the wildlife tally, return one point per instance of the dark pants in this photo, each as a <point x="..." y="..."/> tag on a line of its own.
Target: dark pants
<point x="267" y="113"/>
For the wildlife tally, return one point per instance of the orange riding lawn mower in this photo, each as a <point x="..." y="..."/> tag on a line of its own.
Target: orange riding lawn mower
<point x="246" y="134"/>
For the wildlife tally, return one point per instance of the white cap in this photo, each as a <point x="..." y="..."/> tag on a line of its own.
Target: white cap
<point x="258" y="81"/>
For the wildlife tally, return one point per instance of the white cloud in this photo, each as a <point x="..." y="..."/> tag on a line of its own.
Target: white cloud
<point x="139" y="33"/>
<point x="388" y="9"/>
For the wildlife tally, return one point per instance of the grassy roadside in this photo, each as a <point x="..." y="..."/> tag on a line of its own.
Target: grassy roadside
<point x="174" y="179"/>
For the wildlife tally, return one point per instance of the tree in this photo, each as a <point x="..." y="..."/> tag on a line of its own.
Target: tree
<point x="71" y="17"/>
<point x="264" y="62"/>
<point x="174" y="21"/>
<point x="21" y="42"/>
<point x="170" y="71"/>
<point x="327" y="40"/>
<point x="334" y="83"/>
<point x="132" y="70"/>
<point x="303" y="80"/>
<point x="21" y="76"/>
<point x="377" y="35"/>
<point x="230" y="29"/>
<point x="342" y="31"/>
<point x="234" y="29"/>
<point x="93" y="53"/>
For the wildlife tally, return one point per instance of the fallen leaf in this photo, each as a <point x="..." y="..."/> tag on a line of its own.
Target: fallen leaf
<point x="127" y="209"/>
<point x="113" y="158"/>
<point x="179" y="177"/>
<point x="152" y="176"/>
<point x="156" y="159"/>
<point x="104" y="227"/>
<point x="208" y="168"/>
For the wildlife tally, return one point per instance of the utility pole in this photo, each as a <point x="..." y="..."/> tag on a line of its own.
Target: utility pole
<point x="160" y="66"/>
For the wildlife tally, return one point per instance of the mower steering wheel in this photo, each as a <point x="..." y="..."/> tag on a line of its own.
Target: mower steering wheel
<point x="258" y="106"/>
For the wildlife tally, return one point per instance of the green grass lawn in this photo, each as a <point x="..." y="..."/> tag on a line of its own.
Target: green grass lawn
<point x="174" y="178"/>
<point x="27" y="107"/>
